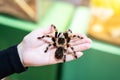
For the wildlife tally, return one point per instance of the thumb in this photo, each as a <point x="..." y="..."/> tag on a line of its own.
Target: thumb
<point x="48" y="30"/>
<point x="44" y="30"/>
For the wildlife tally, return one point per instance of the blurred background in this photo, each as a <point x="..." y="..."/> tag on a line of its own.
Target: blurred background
<point x="98" y="19"/>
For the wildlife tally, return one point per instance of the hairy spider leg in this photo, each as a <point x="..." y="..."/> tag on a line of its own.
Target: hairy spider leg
<point x="47" y="47"/>
<point x="54" y="27"/>
<point x="49" y="36"/>
<point x="77" y="36"/>
<point x="64" y="57"/>
<point x="67" y="37"/>
<point x="69" y="31"/>
<point x="74" y="35"/>
<point x="64" y="60"/>
<point x="59" y="34"/>
<point x="68" y="45"/>
<point x="56" y="32"/>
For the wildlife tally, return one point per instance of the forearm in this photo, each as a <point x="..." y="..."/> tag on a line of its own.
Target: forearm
<point x="10" y="62"/>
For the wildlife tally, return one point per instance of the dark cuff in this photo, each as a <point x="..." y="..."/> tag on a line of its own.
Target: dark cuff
<point x="14" y="58"/>
<point x="10" y="62"/>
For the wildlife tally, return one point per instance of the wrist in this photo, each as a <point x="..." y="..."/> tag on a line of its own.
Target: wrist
<point x="20" y="53"/>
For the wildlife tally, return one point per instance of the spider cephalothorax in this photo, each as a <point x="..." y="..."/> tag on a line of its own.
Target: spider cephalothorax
<point x="61" y="43"/>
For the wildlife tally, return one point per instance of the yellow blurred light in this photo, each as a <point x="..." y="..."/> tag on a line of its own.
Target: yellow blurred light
<point x="111" y="4"/>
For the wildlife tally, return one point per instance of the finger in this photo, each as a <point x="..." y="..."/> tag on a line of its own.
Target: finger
<point x="82" y="41"/>
<point x="48" y="30"/>
<point x="80" y="47"/>
<point x="43" y="31"/>
<point x="40" y="32"/>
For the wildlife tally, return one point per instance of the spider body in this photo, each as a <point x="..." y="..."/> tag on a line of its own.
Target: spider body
<point x="61" y="43"/>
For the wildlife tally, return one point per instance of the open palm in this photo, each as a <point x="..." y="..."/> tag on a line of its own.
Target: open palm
<point x="31" y="49"/>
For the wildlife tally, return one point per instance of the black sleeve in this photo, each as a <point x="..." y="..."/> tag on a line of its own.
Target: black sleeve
<point x="10" y="62"/>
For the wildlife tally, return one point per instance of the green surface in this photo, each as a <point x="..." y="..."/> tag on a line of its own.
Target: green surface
<point x="10" y="36"/>
<point x="93" y="65"/>
<point x="101" y="62"/>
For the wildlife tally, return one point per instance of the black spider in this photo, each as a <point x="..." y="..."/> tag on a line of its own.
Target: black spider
<point x="61" y="43"/>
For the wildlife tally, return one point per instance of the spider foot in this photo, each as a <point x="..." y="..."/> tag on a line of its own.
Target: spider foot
<point x="53" y="26"/>
<point x="75" y="57"/>
<point x="39" y="37"/>
<point x="81" y="37"/>
<point x="64" y="60"/>
<point x="69" y="31"/>
<point x="45" y="51"/>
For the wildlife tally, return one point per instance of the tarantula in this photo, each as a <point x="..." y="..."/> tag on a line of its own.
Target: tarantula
<point x="61" y="43"/>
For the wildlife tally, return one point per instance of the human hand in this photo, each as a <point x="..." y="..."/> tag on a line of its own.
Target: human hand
<point x="31" y="49"/>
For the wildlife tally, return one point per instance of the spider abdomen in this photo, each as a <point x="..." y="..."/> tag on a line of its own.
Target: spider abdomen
<point x="59" y="53"/>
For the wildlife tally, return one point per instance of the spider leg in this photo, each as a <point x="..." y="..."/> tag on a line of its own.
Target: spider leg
<point x="77" y="36"/>
<point x="56" y="32"/>
<point x="70" y="36"/>
<point x="68" y="45"/>
<point x="69" y="31"/>
<point x="74" y="35"/>
<point x="49" y="36"/>
<point x="64" y="57"/>
<point x="54" y="27"/>
<point x="67" y="35"/>
<point x="59" y="34"/>
<point x="47" y="47"/>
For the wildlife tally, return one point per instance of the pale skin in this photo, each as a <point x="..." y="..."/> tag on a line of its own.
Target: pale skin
<point x="31" y="49"/>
